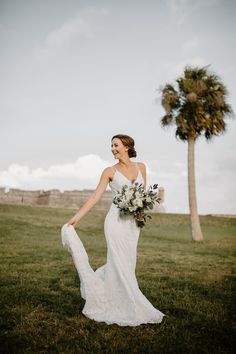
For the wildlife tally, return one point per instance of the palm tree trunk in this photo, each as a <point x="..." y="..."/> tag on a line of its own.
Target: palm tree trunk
<point x="195" y="223"/>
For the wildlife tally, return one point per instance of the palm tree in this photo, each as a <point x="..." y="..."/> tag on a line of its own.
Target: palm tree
<point x="197" y="106"/>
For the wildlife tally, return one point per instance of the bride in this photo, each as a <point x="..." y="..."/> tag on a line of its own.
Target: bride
<point x="111" y="293"/>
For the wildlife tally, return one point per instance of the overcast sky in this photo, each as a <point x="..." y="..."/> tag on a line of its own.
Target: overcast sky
<point x="74" y="73"/>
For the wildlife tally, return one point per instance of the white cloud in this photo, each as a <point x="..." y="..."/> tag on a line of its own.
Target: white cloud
<point x="83" y="25"/>
<point x="83" y="173"/>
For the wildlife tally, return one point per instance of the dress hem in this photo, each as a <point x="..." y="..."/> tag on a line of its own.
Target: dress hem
<point x="130" y="324"/>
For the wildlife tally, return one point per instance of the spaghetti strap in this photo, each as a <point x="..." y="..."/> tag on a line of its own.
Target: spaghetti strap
<point x="114" y="170"/>
<point x="137" y="167"/>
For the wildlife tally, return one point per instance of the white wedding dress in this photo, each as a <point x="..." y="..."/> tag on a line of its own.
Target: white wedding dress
<point x="111" y="293"/>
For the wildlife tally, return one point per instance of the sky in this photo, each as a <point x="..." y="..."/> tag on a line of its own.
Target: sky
<point x="74" y="73"/>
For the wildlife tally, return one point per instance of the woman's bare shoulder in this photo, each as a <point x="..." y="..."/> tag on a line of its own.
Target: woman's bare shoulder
<point x="109" y="168"/>
<point x="141" y="165"/>
<point x="109" y="171"/>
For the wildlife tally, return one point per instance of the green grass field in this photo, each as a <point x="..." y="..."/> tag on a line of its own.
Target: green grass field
<point x="192" y="283"/>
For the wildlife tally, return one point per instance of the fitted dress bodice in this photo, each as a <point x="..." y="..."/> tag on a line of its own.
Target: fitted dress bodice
<point x="119" y="180"/>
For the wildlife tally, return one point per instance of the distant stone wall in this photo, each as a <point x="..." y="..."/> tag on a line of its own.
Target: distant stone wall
<point x="67" y="199"/>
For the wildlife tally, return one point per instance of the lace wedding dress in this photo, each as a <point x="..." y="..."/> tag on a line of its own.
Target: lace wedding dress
<point x="111" y="293"/>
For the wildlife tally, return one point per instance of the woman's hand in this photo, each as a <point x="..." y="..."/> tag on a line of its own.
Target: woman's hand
<point x="73" y="221"/>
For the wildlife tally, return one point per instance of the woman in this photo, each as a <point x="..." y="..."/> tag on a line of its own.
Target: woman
<point x="111" y="292"/>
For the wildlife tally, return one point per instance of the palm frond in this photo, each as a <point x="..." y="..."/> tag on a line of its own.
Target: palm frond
<point x="198" y="105"/>
<point x="167" y="120"/>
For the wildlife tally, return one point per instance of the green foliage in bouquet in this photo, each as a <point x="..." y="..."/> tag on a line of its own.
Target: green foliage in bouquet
<point x="134" y="200"/>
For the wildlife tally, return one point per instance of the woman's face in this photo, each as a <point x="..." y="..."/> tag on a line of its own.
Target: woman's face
<point x="118" y="149"/>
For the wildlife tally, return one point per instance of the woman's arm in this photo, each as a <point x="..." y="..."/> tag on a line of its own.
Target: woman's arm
<point x="94" y="198"/>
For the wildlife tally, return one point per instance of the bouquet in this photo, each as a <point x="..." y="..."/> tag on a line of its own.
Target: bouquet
<point x="134" y="200"/>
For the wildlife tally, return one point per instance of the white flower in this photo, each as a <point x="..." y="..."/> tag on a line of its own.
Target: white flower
<point x="138" y="202"/>
<point x="133" y="200"/>
<point x="128" y="194"/>
<point x="133" y="208"/>
<point x="123" y="204"/>
<point x="138" y="194"/>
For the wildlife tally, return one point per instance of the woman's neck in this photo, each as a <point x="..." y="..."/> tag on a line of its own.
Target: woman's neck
<point x="125" y="162"/>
